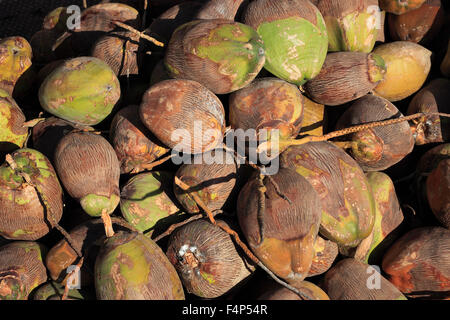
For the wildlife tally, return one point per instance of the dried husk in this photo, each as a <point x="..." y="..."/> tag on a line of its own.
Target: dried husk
<point x="207" y="260"/>
<point x="377" y="148"/>
<point x="351" y="24"/>
<point x="82" y="90"/>
<point x="419" y="25"/>
<point x="29" y="212"/>
<point x="344" y="77"/>
<point x="432" y="98"/>
<point x="95" y="22"/>
<point x="131" y="266"/>
<point x="350" y="279"/>
<point x="147" y="202"/>
<point x="267" y="103"/>
<point x="388" y="217"/>
<point x="47" y="134"/>
<point x="15" y="60"/>
<point x="347" y="203"/>
<point x="282" y="235"/>
<point x="275" y="291"/>
<point x="326" y="252"/>
<point x="220" y="9"/>
<point x="13" y="134"/>
<point x="294" y="35"/>
<point x="407" y="67"/>
<point x="135" y="146"/>
<point x="438" y="192"/>
<point x="120" y="50"/>
<point x="89" y="170"/>
<point x="56" y="18"/>
<point x="313" y="118"/>
<point x="21" y="269"/>
<point x="184" y="115"/>
<point x="418" y="263"/>
<point x="221" y="54"/>
<point x="163" y="26"/>
<point x="400" y="6"/>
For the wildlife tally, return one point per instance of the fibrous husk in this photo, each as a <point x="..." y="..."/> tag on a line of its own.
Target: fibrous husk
<point x="29" y="212"/>
<point x="377" y="148"/>
<point x="21" y="269"/>
<point x="350" y="279"/>
<point x="135" y="146"/>
<point x="206" y="258"/>
<point x="294" y="35"/>
<point x="184" y="115"/>
<point x="347" y="204"/>
<point x="275" y="291"/>
<point x="131" y="266"/>
<point x="418" y="263"/>
<point x="281" y="233"/>
<point x="345" y="76"/>
<point x="438" y="192"/>
<point x="83" y="90"/>
<point x="220" y="9"/>
<point x="432" y="98"/>
<point x="89" y="170"/>
<point x="223" y="55"/>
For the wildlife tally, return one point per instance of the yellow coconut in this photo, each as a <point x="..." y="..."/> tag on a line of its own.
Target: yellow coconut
<point x="407" y="64"/>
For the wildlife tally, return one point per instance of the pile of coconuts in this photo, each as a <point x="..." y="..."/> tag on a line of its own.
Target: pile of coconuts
<point x="227" y="149"/>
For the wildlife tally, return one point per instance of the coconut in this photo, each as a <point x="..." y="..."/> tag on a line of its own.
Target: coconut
<point x="207" y="260"/>
<point x="21" y="269"/>
<point x="89" y="170"/>
<point x="131" y="266"/>
<point x="279" y="231"/>
<point x="400" y="6"/>
<point x="407" y="67"/>
<point x="350" y="279"/>
<point x="30" y="208"/>
<point x="294" y="35"/>
<point x="184" y="115"/>
<point x="418" y="263"/>
<point x="13" y="134"/>
<point x="223" y="55"/>
<point x="83" y="90"/>
<point x="347" y="203"/>
<point x="377" y="148"/>
<point x="326" y="252"/>
<point x="351" y="25"/>
<point x="135" y="146"/>
<point x="275" y="291"/>
<point x="346" y="76"/>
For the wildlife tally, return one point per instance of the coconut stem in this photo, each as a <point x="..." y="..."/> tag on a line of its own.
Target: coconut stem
<point x="265" y="146"/>
<point x="234" y="234"/>
<point x="33" y="123"/>
<point x="140" y="34"/>
<point x="43" y="199"/>
<point x="107" y="223"/>
<point x="85" y="4"/>
<point x="144" y="16"/>
<point x="69" y="276"/>
<point x="150" y="166"/>
<point x="176" y="226"/>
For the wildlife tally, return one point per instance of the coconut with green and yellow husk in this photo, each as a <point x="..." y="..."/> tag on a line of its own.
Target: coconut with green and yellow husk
<point x="294" y="34"/>
<point x="12" y="132"/>
<point x="352" y="25"/>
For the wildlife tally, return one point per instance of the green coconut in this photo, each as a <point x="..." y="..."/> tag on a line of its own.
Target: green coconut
<point x="131" y="266"/>
<point x="54" y="291"/>
<point x="351" y="24"/>
<point x="145" y="201"/>
<point x="12" y="132"/>
<point x="83" y="90"/>
<point x="294" y="35"/>
<point x="222" y="55"/>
